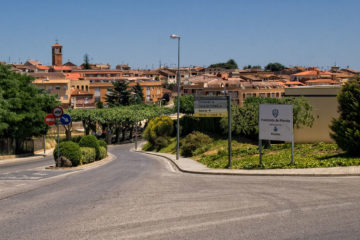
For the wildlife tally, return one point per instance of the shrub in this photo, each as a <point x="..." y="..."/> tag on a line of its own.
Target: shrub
<point x="91" y="141"/>
<point x="102" y="143"/>
<point x="103" y="152"/>
<point x="158" y="131"/>
<point x="70" y="150"/>
<point x="76" y="139"/>
<point x="87" y="155"/>
<point x="193" y="141"/>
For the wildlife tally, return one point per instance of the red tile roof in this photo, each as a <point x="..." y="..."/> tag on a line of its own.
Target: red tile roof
<point x="59" y="68"/>
<point x="72" y="76"/>
<point x="294" y="83"/>
<point x="42" y="67"/>
<point x="312" y="73"/>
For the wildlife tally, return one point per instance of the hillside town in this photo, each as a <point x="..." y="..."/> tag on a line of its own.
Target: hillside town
<point x="77" y="87"/>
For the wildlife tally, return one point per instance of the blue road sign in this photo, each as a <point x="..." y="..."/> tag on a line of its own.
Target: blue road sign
<point x="65" y="119"/>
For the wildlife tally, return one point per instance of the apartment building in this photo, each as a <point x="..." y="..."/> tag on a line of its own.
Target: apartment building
<point x="237" y="88"/>
<point x="152" y="90"/>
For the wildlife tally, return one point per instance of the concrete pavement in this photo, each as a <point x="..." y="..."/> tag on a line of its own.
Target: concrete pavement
<point x="191" y="166"/>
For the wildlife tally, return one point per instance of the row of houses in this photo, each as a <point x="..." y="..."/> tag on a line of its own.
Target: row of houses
<point x="79" y="87"/>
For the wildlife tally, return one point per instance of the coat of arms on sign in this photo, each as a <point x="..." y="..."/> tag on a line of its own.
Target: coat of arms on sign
<point x="275" y="112"/>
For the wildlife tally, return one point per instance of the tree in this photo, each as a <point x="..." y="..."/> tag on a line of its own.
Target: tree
<point x="86" y="64"/>
<point x="22" y="106"/>
<point x="138" y="95"/>
<point x="255" y="67"/>
<point x="99" y="104"/>
<point x="346" y="129"/>
<point x="186" y="104"/>
<point x="274" y="67"/>
<point x="231" y="64"/>
<point x="119" y="95"/>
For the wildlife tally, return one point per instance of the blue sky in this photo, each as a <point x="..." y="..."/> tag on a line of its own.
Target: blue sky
<point x="292" y="32"/>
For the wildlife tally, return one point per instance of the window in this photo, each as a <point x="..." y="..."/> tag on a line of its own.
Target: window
<point x="97" y="92"/>
<point x="57" y="87"/>
<point x="65" y="97"/>
<point x="50" y="88"/>
<point x="86" y="100"/>
<point x="65" y="87"/>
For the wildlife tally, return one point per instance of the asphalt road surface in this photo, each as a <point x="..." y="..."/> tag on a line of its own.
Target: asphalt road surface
<point x="138" y="196"/>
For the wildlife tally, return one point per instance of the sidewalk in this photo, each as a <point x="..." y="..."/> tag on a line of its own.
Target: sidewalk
<point x="29" y="158"/>
<point x="191" y="166"/>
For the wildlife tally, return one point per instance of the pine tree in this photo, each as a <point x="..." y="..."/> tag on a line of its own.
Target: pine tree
<point x="138" y="94"/>
<point x="119" y="95"/>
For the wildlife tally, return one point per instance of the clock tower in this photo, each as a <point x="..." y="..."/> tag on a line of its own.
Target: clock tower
<point x="56" y="54"/>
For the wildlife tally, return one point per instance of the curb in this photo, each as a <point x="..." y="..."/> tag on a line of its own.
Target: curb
<point x="250" y="174"/>
<point x="87" y="166"/>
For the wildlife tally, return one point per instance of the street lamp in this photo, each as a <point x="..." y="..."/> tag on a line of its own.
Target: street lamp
<point x="173" y="36"/>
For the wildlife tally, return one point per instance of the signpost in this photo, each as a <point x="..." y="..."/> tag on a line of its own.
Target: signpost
<point x="215" y="106"/>
<point x="50" y="119"/>
<point x="55" y="117"/>
<point x="210" y="106"/>
<point x="276" y="123"/>
<point x="65" y="119"/>
<point x="58" y="111"/>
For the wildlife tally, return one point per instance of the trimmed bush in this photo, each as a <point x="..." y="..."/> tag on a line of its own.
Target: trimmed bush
<point x="87" y="155"/>
<point x="158" y="131"/>
<point x="102" y="143"/>
<point x="70" y="150"/>
<point x="192" y="142"/>
<point x="91" y="141"/>
<point x="103" y="152"/>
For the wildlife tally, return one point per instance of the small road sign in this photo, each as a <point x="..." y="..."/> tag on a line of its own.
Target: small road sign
<point x="65" y="119"/>
<point x="57" y="111"/>
<point x="50" y="119"/>
<point x="210" y="106"/>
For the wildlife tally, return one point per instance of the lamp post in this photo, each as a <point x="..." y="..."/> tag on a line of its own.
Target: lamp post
<point x="173" y="36"/>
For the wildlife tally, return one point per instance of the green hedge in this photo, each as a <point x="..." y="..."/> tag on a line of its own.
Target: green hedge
<point x="103" y="152"/>
<point x="192" y="142"/>
<point x="102" y="143"/>
<point x="70" y="150"/>
<point x="91" y="141"/>
<point x="87" y="155"/>
<point x="189" y="124"/>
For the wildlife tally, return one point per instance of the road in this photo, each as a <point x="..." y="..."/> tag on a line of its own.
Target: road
<point x="137" y="196"/>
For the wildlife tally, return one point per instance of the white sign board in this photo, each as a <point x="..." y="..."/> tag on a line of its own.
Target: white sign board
<point x="210" y="106"/>
<point x="276" y="122"/>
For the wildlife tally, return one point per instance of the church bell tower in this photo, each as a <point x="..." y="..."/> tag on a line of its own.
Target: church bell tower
<point x="56" y="54"/>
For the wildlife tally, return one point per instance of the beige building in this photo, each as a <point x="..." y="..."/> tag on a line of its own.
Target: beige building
<point x="323" y="100"/>
<point x="239" y="89"/>
<point x="60" y="87"/>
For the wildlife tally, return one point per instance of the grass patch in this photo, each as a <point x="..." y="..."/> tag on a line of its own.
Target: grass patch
<point x="246" y="155"/>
